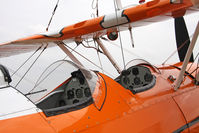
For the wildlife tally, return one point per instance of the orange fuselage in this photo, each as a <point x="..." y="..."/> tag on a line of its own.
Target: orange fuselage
<point x="159" y="109"/>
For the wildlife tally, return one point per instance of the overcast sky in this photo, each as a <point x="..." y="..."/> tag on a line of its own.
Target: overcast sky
<point x="20" y="18"/>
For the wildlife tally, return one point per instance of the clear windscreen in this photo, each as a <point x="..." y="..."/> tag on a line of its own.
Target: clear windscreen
<point x="66" y="77"/>
<point x="136" y="62"/>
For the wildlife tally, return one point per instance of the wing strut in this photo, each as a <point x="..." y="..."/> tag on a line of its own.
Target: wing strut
<point x="106" y="52"/>
<point x="187" y="58"/>
<point x="119" y="4"/>
<point x="72" y="57"/>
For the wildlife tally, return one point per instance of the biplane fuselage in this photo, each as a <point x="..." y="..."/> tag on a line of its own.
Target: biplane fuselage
<point x="141" y="99"/>
<point x="158" y="109"/>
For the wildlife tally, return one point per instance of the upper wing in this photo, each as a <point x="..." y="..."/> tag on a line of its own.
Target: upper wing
<point x="150" y="12"/>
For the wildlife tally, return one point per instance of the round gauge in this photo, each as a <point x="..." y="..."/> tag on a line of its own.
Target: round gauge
<point x="135" y="71"/>
<point x="70" y="94"/>
<point x="87" y="92"/>
<point x="137" y="80"/>
<point x="79" y="93"/>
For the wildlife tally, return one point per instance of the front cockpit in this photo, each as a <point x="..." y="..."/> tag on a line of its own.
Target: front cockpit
<point x="137" y="77"/>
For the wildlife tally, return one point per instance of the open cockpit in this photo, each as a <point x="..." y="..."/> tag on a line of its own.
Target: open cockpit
<point x="71" y="87"/>
<point x="68" y="87"/>
<point x="137" y="77"/>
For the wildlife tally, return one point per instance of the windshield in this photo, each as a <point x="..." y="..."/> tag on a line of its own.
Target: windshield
<point x="136" y="62"/>
<point x="68" y="84"/>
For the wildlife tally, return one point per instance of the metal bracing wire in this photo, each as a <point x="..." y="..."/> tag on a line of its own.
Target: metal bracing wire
<point x="26" y="61"/>
<point x="37" y="82"/>
<point x="97" y="47"/>
<point x="185" y="42"/>
<point x="192" y="62"/>
<point x="88" y="60"/>
<point x="125" y="49"/>
<point x="31" y="65"/>
<point x="115" y="6"/>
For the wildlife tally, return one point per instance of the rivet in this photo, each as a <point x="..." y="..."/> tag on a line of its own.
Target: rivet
<point x="74" y="131"/>
<point x="89" y="117"/>
<point x="86" y="126"/>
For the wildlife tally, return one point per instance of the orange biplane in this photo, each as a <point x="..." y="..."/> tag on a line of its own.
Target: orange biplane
<point x="143" y="98"/>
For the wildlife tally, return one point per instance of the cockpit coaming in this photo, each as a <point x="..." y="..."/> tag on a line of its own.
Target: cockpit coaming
<point x="79" y="87"/>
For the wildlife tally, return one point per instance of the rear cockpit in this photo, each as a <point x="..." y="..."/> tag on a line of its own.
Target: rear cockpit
<point x="67" y="87"/>
<point x="73" y="94"/>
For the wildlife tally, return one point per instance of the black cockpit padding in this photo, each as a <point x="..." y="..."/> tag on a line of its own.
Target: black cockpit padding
<point x="5" y="73"/>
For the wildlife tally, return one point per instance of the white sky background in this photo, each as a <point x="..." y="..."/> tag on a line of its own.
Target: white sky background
<point x="20" y="18"/>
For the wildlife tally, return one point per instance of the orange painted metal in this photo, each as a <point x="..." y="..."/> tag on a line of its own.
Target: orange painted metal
<point x="151" y="111"/>
<point x="159" y="109"/>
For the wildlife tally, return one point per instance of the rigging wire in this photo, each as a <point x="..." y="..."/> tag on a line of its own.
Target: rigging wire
<point x="31" y="65"/>
<point x="18" y="75"/>
<point x="38" y="83"/>
<point x="176" y="51"/>
<point x="98" y="50"/>
<point x="119" y="35"/>
<point x="127" y="50"/>
<point x="196" y="69"/>
<point x="193" y="62"/>
<point x="99" y="56"/>
<point x="26" y="61"/>
<point x="53" y="13"/>
<point x="88" y="60"/>
<point x="189" y="74"/>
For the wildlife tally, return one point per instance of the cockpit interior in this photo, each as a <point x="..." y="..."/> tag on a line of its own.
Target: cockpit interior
<point x="73" y="86"/>
<point x="137" y="79"/>
<point x="71" y="95"/>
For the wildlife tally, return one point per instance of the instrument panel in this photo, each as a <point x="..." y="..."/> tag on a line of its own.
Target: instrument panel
<point x="137" y="79"/>
<point x="76" y="90"/>
<point x="73" y="95"/>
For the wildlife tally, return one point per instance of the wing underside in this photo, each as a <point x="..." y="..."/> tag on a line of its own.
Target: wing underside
<point x="141" y="15"/>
